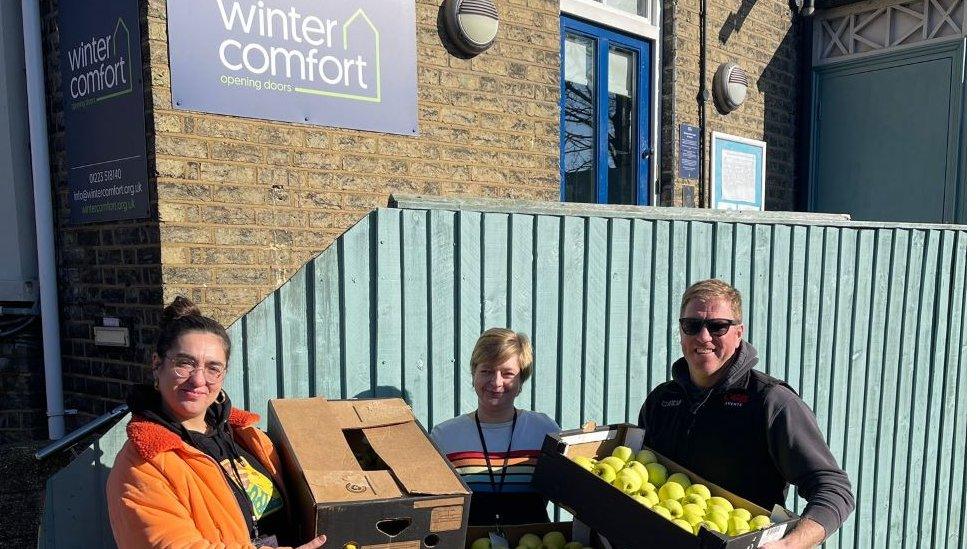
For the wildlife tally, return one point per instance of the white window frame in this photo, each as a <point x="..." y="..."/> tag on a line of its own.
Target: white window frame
<point x="643" y="27"/>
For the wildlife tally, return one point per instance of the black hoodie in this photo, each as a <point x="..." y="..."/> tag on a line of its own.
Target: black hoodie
<point x="219" y="444"/>
<point x="751" y="434"/>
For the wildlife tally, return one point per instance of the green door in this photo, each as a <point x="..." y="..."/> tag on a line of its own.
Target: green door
<point x="886" y="137"/>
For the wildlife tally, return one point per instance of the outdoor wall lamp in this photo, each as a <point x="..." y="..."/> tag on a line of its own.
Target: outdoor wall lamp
<point x="729" y="86"/>
<point x="471" y="25"/>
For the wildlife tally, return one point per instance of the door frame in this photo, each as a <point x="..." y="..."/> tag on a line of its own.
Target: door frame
<point x="644" y="101"/>
<point x="954" y="50"/>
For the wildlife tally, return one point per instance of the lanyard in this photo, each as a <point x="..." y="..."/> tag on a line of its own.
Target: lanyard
<point x="491" y="474"/>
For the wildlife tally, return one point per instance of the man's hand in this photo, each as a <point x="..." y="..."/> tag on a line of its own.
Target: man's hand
<point x="808" y="533"/>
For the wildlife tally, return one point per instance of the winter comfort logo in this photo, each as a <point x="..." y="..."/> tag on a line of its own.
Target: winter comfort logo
<point x="274" y="49"/>
<point x="100" y="67"/>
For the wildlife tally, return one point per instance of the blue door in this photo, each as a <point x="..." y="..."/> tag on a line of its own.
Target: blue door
<point x="605" y="142"/>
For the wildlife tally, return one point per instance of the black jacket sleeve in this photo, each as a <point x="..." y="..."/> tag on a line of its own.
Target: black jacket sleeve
<point x="799" y="451"/>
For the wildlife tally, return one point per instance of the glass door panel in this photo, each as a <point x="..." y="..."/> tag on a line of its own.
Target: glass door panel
<point x="620" y="128"/>
<point x="579" y="119"/>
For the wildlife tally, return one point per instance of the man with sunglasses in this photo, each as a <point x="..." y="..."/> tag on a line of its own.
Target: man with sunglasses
<point x="738" y="427"/>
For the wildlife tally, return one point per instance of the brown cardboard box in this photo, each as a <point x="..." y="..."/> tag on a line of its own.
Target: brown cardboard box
<point x="364" y="472"/>
<point x="622" y="520"/>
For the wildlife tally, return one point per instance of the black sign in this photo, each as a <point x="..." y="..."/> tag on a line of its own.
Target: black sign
<point x="104" y="110"/>
<point x="689" y="163"/>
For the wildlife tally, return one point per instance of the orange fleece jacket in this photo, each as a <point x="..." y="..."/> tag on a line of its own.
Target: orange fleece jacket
<point x="162" y="492"/>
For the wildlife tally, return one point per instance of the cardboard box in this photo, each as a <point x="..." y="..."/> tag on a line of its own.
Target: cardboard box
<point x="364" y="472"/>
<point x="515" y="532"/>
<point x="622" y="520"/>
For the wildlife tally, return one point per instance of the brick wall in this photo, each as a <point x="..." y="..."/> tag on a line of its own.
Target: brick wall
<point x="22" y="409"/>
<point x="244" y="203"/>
<point x="764" y="38"/>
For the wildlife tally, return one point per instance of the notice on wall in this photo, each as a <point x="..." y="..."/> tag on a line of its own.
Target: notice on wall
<point x="348" y="63"/>
<point x="689" y="139"/>
<point x="738" y="172"/>
<point x="104" y="110"/>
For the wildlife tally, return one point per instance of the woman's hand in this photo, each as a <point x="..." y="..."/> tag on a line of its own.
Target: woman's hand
<point x="316" y="542"/>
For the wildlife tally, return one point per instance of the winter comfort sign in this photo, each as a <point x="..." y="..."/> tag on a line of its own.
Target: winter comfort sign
<point x="345" y="63"/>
<point x="104" y="110"/>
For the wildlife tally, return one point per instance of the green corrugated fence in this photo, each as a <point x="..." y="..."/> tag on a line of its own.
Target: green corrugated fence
<point x="865" y="320"/>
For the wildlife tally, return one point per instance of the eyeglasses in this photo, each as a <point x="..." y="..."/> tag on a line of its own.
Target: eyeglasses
<point x="184" y="367"/>
<point x="716" y="326"/>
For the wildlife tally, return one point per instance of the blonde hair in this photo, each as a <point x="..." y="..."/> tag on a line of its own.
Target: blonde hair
<point x="713" y="288"/>
<point x="496" y="345"/>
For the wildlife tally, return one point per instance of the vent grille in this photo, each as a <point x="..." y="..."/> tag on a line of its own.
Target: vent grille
<point x="479" y="7"/>
<point x="738" y="76"/>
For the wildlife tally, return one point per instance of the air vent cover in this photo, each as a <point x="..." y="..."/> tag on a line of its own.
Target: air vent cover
<point x="729" y="87"/>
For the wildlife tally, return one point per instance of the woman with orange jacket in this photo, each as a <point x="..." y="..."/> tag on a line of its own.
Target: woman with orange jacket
<point x="195" y="472"/>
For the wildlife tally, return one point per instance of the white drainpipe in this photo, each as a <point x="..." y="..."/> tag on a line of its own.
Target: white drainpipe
<point x="43" y="216"/>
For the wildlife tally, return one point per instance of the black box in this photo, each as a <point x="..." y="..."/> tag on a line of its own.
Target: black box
<point x="622" y="520"/>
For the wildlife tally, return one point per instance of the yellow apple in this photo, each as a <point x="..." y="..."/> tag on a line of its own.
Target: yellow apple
<point x="657" y="474"/>
<point x="699" y="489"/>
<point x="622" y="453"/>
<point x="646" y="456"/>
<point x="639" y="468"/>
<point x="554" y="540"/>
<point x="605" y="471"/>
<point x="759" y="522"/>
<point x="614" y="462"/>
<point x="720" y="501"/>
<point x="681" y="479"/>
<point x="683" y="524"/>
<point x="671" y="490"/>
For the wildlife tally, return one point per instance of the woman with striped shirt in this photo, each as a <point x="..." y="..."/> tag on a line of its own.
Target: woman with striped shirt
<point x="495" y="448"/>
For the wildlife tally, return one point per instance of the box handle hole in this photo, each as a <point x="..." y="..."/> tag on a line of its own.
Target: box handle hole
<point x="393" y="527"/>
<point x="431" y="540"/>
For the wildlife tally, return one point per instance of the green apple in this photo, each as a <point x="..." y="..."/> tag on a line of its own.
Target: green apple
<point x="585" y="462"/>
<point x="718" y="518"/>
<point x="681" y="479"/>
<point x="699" y="489"/>
<point x="683" y="524"/>
<point x="614" y="462"/>
<point x="673" y="507"/>
<point x="627" y="481"/>
<point x="622" y="453"/>
<point x="657" y="474"/>
<point x="693" y="519"/>
<point x="650" y="495"/>
<point x="639" y="468"/>
<point x="759" y="522"/>
<point x="692" y="509"/>
<point x="661" y="510"/>
<point x="531" y="541"/>
<point x="720" y="501"/>
<point x="481" y="543"/>
<point x="737" y="526"/>
<point x="706" y="524"/>
<point x="643" y="501"/>
<point x="646" y="489"/>
<point x="554" y="540"/>
<point x="741" y="513"/>
<point x="670" y="490"/>
<point x="645" y="456"/>
<point x="694" y="498"/>
<point x="605" y="471"/>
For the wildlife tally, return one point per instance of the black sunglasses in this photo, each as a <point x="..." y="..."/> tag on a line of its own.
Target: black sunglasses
<point x="715" y="326"/>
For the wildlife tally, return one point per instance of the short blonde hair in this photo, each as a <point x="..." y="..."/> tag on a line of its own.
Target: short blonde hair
<point x="496" y="345"/>
<point x="713" y="288"/>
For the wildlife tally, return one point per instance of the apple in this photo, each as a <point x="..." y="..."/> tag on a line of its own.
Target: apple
<point x="681" y="479"/>
<point x="693" y="519"/>
<point x="720" y="501"/>
<point x="741" y="513"/>
<point x="647" y="488"/>
<point x="683" y="524"/>
<point x="622" y="453"/>
<point x="643" y="501"/>
<point x="531" y="541"/>
<point x="718" y="518"/>
<point x="585" y="462"/>
<point x="605" y="471"/>
<point x="692" y="509"/>
<point x="481" y="543"/>
<point x="614" y="462"/>
<point x="662" y="510"/>
<point x="639" y="468"/>
<point x="657" y="474"/>
<point x="707" y="524"/>
<point x="627" y="481"/>
<point x="673" y="507"/>
<point x="696" y="499"/>
<point x="645" y="457"/>
<point x="554" y="540"/>
<point x="699" y="489"/>
<point x="670" y="490"/>
<point x="737" y="526"/>
<point x="648" y="494"/>
<point x="759" y="522"/>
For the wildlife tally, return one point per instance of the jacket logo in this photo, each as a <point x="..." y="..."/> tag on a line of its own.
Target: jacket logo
<point x="736" y="400"/>
<point x="670" y="403"/>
